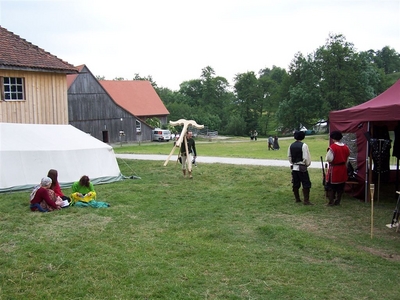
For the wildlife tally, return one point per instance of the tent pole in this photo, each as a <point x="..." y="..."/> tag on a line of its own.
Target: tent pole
<point x="397" y="177"/>
<point x="380" y="168"/>
<point x="366" y="188"/>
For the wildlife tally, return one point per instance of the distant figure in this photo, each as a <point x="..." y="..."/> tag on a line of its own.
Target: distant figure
<point x="251" y="135"/>
<point x="255" y="134"/>
<point x="276" y="144"/>
<point x="270" y="143"/>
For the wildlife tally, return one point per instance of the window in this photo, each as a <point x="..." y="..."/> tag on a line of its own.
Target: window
<point x="138" y="126"/>
<point x="13" y="88"/>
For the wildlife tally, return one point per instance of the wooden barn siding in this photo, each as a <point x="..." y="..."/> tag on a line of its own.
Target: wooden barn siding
<point x="46" y="99"/>
<point x="91" y="110"/>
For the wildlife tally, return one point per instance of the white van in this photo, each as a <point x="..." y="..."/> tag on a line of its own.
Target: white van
<point x="161" y="135"/>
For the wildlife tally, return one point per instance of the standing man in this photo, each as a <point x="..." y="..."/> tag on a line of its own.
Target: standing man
<point x="251" y="135"/>
<point x="338" y="157"/>
<point x="270" y="143"/>
<point x="186" y="157"/>
<point x="300" y="159"/>
<point x="276" y="144"/>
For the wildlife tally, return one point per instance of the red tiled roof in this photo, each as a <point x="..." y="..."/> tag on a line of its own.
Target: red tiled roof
<point x="136" y="96"/>
<point x="19" y="54"/>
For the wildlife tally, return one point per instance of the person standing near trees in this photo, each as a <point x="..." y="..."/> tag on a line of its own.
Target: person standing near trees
<point x="270" y="143"/>
<point x="186" y="157"/>
<point x="338" y="157"/>
<point x="276" y="144"/>
<point x="300" y="159"/>
<point x="251" y="135"/>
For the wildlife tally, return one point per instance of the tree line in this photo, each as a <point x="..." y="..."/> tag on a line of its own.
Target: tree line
<point x="334" y="77"/>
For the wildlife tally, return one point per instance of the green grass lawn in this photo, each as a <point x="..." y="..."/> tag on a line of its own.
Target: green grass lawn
<point x="233" y="232"/>
<point x="233" y="147"/>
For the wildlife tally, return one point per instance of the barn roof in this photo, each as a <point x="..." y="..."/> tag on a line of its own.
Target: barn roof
<point x="19" y="54"/>
<point x="136" y="96"/>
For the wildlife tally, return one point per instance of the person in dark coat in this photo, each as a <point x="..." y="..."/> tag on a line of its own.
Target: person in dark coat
<point x="187" y="157"/>
<point x="276" y="144"/>
<point x="300" y="159"/>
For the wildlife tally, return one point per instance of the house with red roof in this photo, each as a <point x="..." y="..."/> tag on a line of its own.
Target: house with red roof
<point x="33" y="83"/>
<point x="113" y="111"/>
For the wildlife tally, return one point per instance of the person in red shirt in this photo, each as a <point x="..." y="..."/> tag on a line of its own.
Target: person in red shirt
<point x="40" y="199"/>
<point x="338" y="157"/>
<point x="55" y="186"/>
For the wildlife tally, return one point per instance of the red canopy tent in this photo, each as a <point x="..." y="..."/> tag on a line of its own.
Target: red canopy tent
<point x="383" y="110"/>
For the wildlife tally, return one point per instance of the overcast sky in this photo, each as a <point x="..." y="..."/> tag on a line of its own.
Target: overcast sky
<point x="173" y="40"/>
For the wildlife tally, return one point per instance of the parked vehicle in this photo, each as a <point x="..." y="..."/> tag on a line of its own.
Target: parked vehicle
<point x="161" y="135"/>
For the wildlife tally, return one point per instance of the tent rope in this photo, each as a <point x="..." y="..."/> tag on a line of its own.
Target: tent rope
<point x="135" y="176"/>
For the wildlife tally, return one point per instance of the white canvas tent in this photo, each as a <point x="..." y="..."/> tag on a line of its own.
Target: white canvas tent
<point x="28" y="151"/>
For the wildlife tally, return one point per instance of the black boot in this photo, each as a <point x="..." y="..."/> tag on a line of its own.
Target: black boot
<point x="296" y="195"/>
<point x="338" y="197"/>
<point x="331" y="197"/>
<point x="306" y="194"/>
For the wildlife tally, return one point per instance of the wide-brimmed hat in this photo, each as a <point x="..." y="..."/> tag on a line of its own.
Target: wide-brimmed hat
<point x="299" y="135"/>
<point x="336" y="135"/>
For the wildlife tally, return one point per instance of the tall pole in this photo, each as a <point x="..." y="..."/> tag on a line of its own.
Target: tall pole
<point x="372" y="187"/>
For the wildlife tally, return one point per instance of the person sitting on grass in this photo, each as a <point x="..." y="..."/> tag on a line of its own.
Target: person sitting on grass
<point x="83" y="190"/>
<point x="84" y="195"/>
<point x="41" y="199"/>
<point x="55" y="186"/>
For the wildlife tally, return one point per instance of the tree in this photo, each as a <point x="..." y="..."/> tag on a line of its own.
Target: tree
<point x="193" y="90"/>
<point x="236" y="125"/>
<point x="388" y="60"/>
<point x="271" y="82"/>
<point x="303" y="105"/>
<point x="180" y="111"/>
<point x="334" y="77"/>
<point x="168" y="96"/>
<point x="346" y="78"/>
<point x="250" y="99"/>
<point x="210" y="97"/>
<point x="154" y="122"/>
<point x="148" y="78"/>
